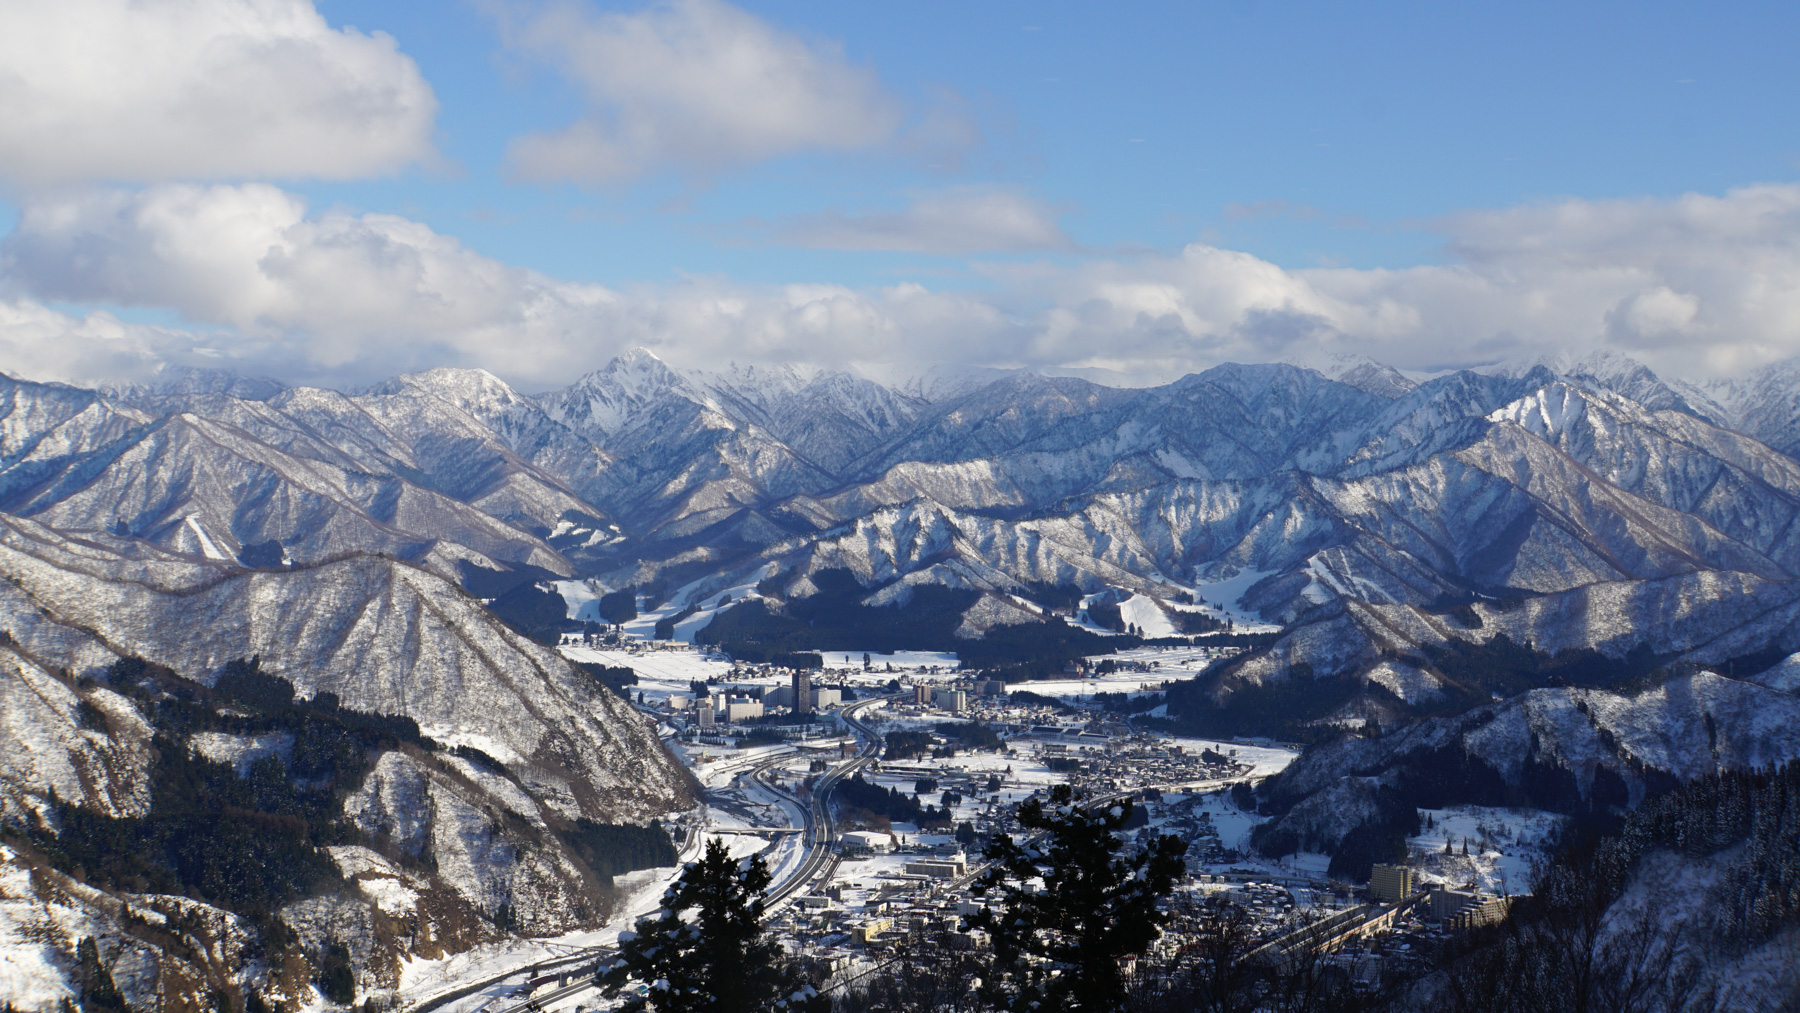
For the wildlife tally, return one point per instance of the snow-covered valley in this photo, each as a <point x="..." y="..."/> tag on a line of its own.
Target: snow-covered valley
<point x="1496" y="599"/>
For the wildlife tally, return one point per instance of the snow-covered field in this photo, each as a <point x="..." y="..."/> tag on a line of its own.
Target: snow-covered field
<point x="1165" y="664"/>
<point x="902" y="661"/>
<point x="1502" y="846"/>
<point x="1264" y="759"/>
<point x="675" y="666"/>
<point x="1146" y="615"/>
<point x="1223" y="595"/>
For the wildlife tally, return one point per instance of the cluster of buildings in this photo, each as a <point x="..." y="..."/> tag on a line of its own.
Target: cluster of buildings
<point x="730" y="705"/>
<point x="958" y="697"/>
<point x="1105" y="762"/>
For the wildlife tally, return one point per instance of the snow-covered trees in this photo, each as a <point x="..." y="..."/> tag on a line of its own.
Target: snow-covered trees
<point x="704" y="951"/>
<point x="1058" y="947"/>
<point x="1600" y="933"/>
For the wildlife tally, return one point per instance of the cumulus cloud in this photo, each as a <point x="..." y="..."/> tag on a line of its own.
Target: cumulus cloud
<point x="1698" y="284"/>
<point x="40" y="343"/>
<point x="697" y="85"/>
<point x="144" y="90"/>
<point x="333" y="290"/>
<point x="345" y="299"/>
<point x="1695" y="285"/>
<point x="959" y="220"/>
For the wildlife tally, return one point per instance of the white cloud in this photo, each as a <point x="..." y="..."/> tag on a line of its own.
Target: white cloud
<point x="345" y="299"/>
<point x="335" y="291"/>
<point x="1698" y="283"/>
<point x="143" y="90"/>
<point x="959" y="220"/>
<point x="40" y="343"/>
<point x="1693" y="286"/>
<point x="698" y="85"/>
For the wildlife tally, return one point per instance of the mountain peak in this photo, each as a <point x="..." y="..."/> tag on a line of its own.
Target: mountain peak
<point x="1359" y="371"/>
<point x="1545" y="412"/>
<point x="440" y="378"/>
<point x="602" y="403"/>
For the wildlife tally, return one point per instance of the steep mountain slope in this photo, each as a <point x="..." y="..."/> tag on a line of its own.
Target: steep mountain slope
<point x="829" y="418"/>
<point x="1565" y="750"/>
<point x="383" y="636"/>
<point x="683" y="463"/>
<point x="117" y="695"/>
<point x="206" y="485"/>
<point x="1345" y="485"/>
<point x="1763" y="404"/>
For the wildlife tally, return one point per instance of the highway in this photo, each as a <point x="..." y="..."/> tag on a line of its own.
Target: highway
<point x="820" y="861"/>
<point x="821" y="858"/>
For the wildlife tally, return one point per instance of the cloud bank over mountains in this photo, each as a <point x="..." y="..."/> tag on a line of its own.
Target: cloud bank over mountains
<point x="1698" y="284"/>
<point x="141" y="138"/>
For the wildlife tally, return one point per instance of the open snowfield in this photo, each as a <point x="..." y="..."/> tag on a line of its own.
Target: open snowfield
<point x="902" y="661"/>
<point x="675" y="667"/>
<point x="1503" y="845"/>
<point x="1166" y="665"/>
<point x="1264" y="759"/>
<point x="581" y="598"/>
<point x="1223" y="595"/>
<point x="1190" y="659"/>
<point x="1146" y="615"/>
<point x="1122" y="682"/>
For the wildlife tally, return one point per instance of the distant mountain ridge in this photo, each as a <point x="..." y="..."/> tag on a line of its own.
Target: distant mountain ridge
<point x="1345" y="486"/>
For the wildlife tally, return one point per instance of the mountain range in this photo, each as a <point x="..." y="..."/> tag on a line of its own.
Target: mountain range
<point x="1379" y="518"/>
<point x="1348" y="484"/>
<point x="1578" y="576"/>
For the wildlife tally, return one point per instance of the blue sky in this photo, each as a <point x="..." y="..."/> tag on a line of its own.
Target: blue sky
<point x="1131" y="191"/>
<point x="1306" y="134"/>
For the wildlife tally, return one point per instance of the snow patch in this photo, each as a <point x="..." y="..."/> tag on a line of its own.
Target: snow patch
<point x="1147" y="614"/>
<point x="1547" y="413"/>
<point x="242" y="751"/>
<point x="207" y="548"/>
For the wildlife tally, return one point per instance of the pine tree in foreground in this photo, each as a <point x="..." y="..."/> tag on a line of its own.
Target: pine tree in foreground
<point x="1058" y="948"/>
<point x="704" y="952"/>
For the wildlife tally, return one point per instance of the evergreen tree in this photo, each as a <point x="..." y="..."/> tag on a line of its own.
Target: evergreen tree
<point x="714" y="960"/>
<point x="95" y="982"/>
<point x="1058" y="948"/>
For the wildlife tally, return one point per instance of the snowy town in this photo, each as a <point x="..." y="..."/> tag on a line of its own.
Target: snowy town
<point x="872" y="784"/>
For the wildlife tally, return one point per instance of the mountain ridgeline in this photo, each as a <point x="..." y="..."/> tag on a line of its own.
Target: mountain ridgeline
<point x="1567" y="584"/>
<point x="1425" y="543"/>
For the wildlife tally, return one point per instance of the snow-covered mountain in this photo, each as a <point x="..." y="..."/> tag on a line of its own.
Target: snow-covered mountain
<point x="1354" y="490"/>
<point x="1342" y="481"/>
<point x="1600" y="565"/>
<point x="473" y="832"/>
